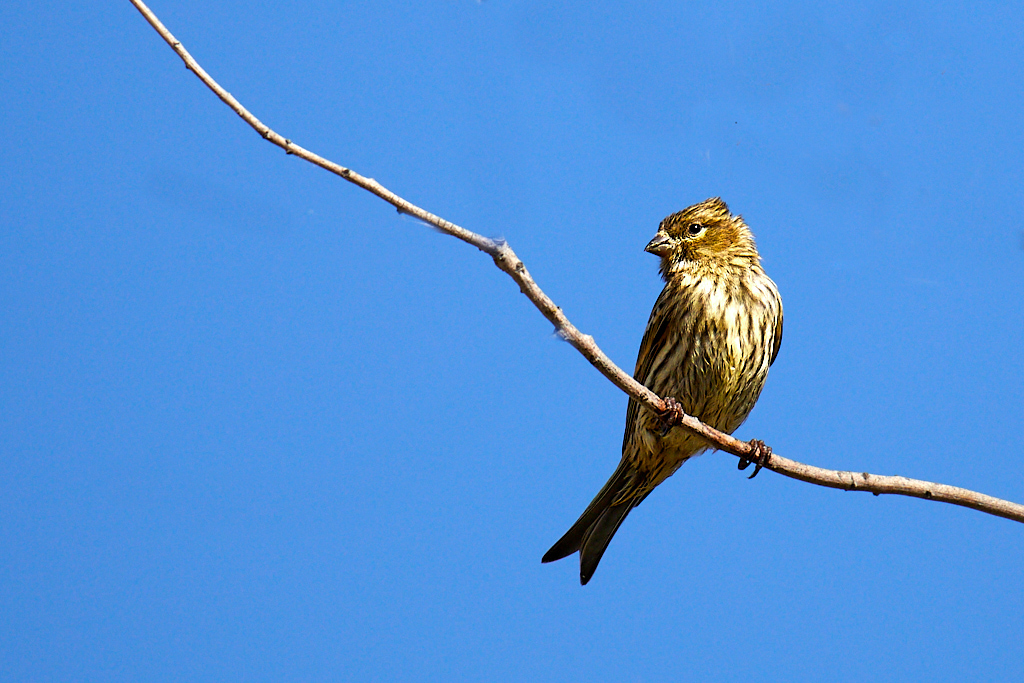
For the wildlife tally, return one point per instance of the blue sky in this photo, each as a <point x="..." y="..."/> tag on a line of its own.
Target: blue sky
<point x="258" y="426"/>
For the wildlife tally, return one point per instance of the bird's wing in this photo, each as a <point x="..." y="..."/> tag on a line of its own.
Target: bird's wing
<point x="656" y="337"/>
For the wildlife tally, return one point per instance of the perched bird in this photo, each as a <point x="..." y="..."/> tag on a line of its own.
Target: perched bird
<point x="714" y="331"/>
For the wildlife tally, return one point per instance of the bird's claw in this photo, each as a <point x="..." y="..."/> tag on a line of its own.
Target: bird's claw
<point x="673" y="415"/>
<point x="761" y="455"/>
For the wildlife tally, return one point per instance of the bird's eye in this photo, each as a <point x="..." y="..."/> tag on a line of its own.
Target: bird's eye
<point x="694" y="229"/>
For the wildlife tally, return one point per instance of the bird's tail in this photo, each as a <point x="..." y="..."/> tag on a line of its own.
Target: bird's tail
<point x="593" y="531"/>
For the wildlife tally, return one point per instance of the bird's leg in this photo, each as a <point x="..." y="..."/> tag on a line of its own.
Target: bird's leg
<point x="761" y="455"/>
<point x="673" y="415"/>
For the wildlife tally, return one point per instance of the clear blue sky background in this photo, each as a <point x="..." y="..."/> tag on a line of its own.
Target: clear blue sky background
<point x="257" y="426"/>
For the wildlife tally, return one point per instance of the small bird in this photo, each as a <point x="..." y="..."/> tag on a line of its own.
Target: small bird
<point x="714" y="331"/>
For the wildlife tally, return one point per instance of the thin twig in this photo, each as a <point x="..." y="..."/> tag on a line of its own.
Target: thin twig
<point x="507" y="261"/>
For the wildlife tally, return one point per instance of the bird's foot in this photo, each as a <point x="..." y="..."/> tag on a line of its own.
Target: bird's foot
<point x="673" y="415"/>
<point x="761" y="455"/>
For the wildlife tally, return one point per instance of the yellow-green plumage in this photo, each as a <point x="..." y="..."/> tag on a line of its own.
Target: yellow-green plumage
<point x="714" y="331"/>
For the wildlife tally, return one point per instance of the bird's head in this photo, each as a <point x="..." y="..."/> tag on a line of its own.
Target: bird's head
<point x="704" y="234"/>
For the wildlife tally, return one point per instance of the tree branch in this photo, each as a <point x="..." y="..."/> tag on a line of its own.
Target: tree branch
<point x="507" y="261"/>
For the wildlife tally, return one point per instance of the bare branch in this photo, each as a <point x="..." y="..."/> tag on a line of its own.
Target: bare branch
<point x="507" y="261"/>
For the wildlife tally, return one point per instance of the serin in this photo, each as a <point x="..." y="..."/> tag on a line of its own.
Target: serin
<point x="714" y="331"/>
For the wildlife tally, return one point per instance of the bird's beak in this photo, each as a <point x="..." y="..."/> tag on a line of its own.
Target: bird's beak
<point x="661" y="245"/>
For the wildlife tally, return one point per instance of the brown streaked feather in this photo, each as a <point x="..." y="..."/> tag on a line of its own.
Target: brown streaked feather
<point x="659" y="329"/>
<point x="777" y="338"/>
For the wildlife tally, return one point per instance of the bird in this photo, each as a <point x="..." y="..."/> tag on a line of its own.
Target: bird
<point x="714" y="331"/>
